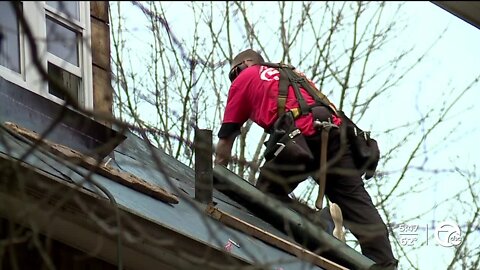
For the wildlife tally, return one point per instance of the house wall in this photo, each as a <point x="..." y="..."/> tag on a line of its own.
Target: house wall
<point x="102" y="87"/>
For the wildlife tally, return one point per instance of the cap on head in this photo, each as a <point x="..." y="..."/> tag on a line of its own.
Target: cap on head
<point x="247" y="55"/>
<point x="237" y="65"/>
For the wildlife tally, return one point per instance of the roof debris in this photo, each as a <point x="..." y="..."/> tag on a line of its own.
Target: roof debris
<point x="90" y="163"/>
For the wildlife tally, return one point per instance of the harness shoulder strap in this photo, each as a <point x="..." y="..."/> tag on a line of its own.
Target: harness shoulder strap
<point x="289" y="77"/>
<point x="282" y="92"/>
<point x="283" y="85"/>
<point x="317" y="95"/>
<point x="294" y="81"/>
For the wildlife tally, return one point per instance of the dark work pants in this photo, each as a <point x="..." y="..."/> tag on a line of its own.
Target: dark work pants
<point x="344" y="186"/>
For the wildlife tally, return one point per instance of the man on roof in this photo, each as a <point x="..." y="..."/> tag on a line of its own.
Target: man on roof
<point x="254" y="94"/>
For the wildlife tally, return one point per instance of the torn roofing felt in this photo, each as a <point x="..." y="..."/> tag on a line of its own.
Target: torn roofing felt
<point x="184" y="217"/>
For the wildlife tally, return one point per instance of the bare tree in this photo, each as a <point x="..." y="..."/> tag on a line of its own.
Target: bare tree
<point x="338" y="44"/>
<point x="178" y="82"/>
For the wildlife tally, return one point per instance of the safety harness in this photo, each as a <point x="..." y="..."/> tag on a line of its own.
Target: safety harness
<point x="289" y="77"/>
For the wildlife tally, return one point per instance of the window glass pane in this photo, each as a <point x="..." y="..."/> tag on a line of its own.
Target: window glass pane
<point x="9" y="37"/>
<point x="70" y="82"/>
<point x="62" y="42"/>
<point x="71" y="8"/>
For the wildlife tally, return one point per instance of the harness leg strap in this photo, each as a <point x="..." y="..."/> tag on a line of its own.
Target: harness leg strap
<point x="323" y="170"/>
<point x="322" y="174"/>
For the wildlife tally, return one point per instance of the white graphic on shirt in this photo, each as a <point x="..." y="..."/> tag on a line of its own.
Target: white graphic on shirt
<point x="268" y="74"/>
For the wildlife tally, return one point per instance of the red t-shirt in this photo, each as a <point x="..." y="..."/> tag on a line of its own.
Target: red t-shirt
<point x="254" y="95"/>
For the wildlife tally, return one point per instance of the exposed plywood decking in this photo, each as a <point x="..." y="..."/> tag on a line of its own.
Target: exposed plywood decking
<point x="90" y="163"/>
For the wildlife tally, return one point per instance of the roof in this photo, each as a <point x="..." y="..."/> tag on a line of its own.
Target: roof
<point x="469" y="11"/>
<point x="184" y="218"/>
<point x="149" y="193"/>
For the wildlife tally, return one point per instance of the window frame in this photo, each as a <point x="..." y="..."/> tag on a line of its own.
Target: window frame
<point x="13" y="76"/>
<point x="35" y="14"/>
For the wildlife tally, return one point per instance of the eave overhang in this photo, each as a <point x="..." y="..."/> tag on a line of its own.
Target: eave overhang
<point x="87" y="221"/>
<point x="468" y="11"/>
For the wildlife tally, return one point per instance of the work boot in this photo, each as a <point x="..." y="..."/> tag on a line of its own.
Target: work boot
<point x="337" y="217"/>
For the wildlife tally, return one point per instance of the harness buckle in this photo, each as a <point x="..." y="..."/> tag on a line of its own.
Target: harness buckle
<point x="324" y="124"/>
<point x="294" y="133"/>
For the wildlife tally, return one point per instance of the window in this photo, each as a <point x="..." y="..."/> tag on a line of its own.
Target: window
<point x="61" y="30"/>
<point x="62" y="41"/>
<point x="69" y="8"/>
<point x="9" y="38"/>
<point x="68" y="81"/>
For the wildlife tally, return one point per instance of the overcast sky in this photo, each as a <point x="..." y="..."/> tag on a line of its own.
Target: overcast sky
<point x="452" y="64"/>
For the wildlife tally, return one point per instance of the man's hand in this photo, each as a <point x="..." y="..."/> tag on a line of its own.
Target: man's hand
<point x="223" y="150"/>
